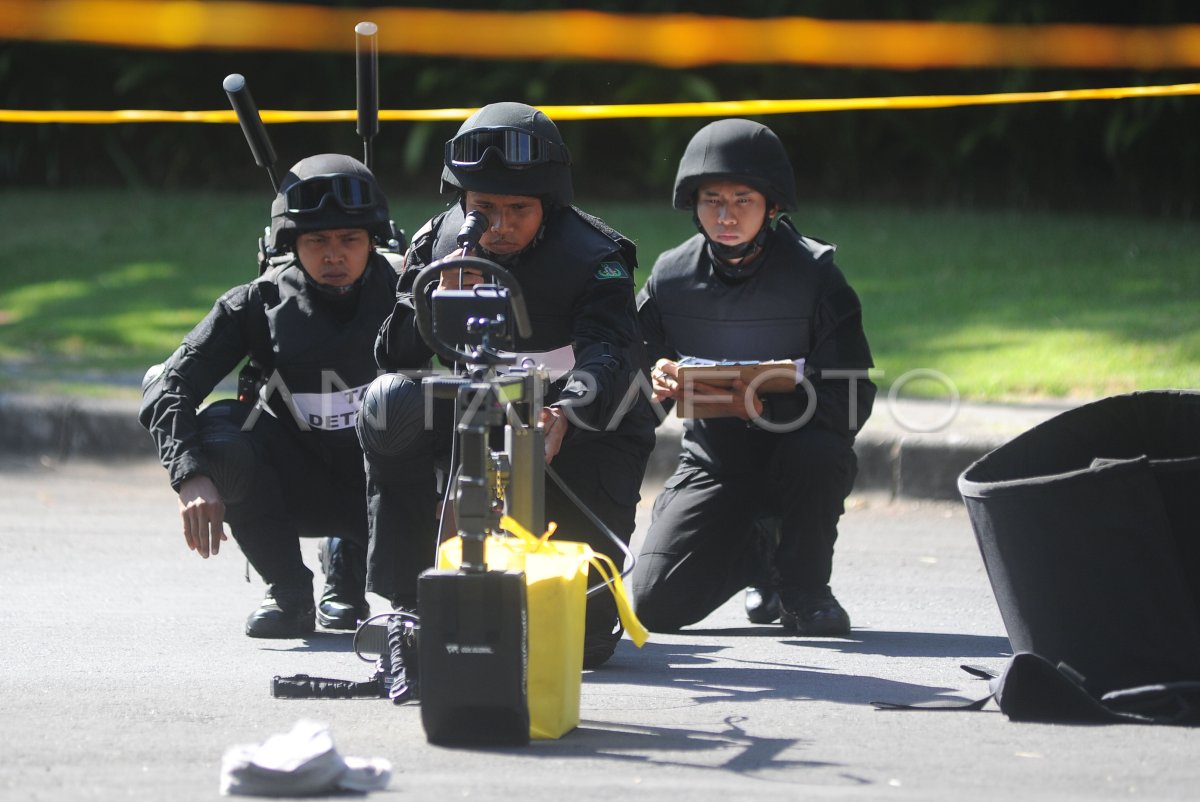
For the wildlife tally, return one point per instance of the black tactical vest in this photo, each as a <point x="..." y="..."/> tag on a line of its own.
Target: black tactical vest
<point x="768" y="316"/>
<point x="557" y="270"/>
<point x="322" y="357"/>
<point x="556" y="277"/>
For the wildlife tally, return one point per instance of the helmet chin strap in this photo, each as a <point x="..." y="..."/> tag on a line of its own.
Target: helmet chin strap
<point x="332" y="291"/>
<point x="723" y="255"/>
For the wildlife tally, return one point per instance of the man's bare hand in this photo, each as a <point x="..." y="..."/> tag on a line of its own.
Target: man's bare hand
<point x="664" y="380"/>
<point x="554" y="427"/>
<point x="746" y="404"/>
<point x="737" y="400"/>
<point x="203" y="514"/>
<point x="459" y="279"/>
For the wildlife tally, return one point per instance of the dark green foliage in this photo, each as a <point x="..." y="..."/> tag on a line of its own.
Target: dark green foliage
<point x="100" y="284"/>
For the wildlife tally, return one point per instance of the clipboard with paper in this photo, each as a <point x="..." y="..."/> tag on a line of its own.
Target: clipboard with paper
<point x="771" y="376"/>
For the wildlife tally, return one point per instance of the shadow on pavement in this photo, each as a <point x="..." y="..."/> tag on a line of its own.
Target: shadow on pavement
<point x="669" y="746"/>
<point x="883" y="642"/>
<point x="917" y="644"/>
<point x="697" y="669"/>
<point x="317" y="642"/>
<point x="649" y="744"/>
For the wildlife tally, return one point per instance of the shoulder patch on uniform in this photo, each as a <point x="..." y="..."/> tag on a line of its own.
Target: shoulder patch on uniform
<point x="611" y="270"/>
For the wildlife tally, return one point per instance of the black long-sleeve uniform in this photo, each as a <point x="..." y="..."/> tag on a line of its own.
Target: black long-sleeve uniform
<point x="297" y="468"/>
<point x="793" y="304"/>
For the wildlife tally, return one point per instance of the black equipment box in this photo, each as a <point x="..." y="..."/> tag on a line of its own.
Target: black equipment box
<point x="473" y="657"/>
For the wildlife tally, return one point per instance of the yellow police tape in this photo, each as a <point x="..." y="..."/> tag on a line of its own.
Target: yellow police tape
<point x="667" y="39"/>
<point x="725" y="108"/>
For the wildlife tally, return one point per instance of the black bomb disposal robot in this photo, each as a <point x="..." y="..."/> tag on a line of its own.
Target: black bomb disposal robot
<point x="473" y="632"/>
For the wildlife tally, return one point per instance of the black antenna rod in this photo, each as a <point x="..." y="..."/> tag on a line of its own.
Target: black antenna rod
<point x="366" y="48"/>
<point x="252" y="125"/>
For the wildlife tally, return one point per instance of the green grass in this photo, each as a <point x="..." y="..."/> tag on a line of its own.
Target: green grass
<point x="96" y="286"/>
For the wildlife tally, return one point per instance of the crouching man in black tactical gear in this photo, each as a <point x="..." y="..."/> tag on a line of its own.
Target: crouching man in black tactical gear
<point x="759" y="489"/>
<point x="509" y="162"/>
<point x="290" y="464"/>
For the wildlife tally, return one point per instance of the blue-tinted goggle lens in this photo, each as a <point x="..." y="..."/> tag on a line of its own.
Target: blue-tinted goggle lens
<point x="514" y="146"/>
<point x="348" y="191"/>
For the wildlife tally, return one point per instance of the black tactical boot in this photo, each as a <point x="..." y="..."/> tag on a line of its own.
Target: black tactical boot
<point x="282" y="615"/>
<point x="762" y="605"/>
<point x="343" y="601"/>
<point x="762" y="598"/>
<point x="599" y="646"/>
<point x="602" y="630"/>
<point x="402" y="659"/>
<point x="813" y="614"/>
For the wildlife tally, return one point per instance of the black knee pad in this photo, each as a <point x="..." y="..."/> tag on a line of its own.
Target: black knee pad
<point x="392" y="415"/>
<point x="152" y="375"/>
<point x="232" y="455"/>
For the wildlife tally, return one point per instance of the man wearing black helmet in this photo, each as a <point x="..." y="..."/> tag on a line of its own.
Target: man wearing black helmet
<point x="290" y="464"/>
<point x="509" y="162"/>
<point x="760" y="486"/>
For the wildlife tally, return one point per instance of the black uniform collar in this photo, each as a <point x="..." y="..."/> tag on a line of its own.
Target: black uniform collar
<point x="737" y="273"/>
<point x="338" y="293"/>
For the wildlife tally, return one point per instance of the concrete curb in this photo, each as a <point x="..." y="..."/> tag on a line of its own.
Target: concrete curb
<point x="890" y="460"/>
<point x="59" y="428"/>
<point x="910" y="465"/>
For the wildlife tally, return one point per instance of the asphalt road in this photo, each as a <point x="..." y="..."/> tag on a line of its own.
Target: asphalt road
<point x="124" y="675"/>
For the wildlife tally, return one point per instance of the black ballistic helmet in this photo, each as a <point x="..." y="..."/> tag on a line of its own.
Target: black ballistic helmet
<point x="328" y="191"/>
<point x="736" y="150"/>
<point x="509" y="149"/>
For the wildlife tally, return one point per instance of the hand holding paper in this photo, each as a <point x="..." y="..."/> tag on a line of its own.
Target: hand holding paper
<point x="710" y="389"/>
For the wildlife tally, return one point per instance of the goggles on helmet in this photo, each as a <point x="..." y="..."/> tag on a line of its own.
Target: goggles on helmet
<point x="516" y="147"/>
<point x="348" y="191"/>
